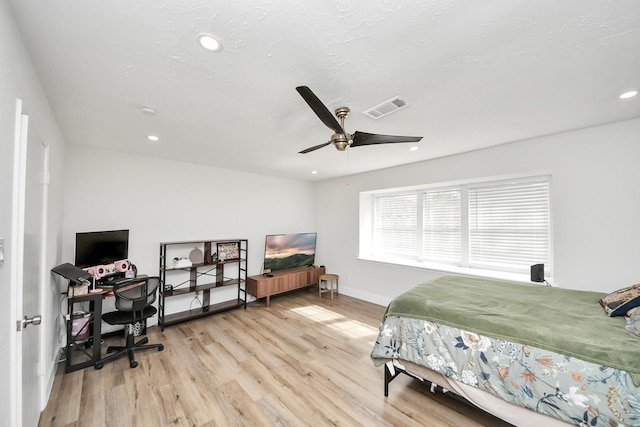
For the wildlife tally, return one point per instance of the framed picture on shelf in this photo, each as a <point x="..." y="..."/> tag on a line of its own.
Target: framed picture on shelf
<point x="228" y="251"/>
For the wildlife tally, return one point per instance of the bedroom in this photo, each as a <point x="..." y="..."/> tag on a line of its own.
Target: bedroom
<point x="595" y="196"/>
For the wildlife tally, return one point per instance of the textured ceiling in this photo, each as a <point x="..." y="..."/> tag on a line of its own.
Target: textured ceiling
<point x="476" y="74"/>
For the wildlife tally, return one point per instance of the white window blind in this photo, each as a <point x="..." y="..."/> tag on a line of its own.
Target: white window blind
<point x="441" y="226"/>
<point x="509" y="225"/>
<point x="395" y="225"/>
<point x="500" y="225"/>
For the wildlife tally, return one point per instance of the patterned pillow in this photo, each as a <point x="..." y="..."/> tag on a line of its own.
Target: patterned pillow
<point x="633" y="322"/>
<point x="619" y="302"/>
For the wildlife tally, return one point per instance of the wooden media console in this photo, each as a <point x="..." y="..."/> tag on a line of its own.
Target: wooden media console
<point x="283" y="281"/>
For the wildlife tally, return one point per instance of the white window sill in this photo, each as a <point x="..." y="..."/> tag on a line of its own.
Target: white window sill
<point x="452" y="269"/>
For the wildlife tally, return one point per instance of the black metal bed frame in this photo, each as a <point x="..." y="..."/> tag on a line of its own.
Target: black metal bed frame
<point x="433" y="387"/>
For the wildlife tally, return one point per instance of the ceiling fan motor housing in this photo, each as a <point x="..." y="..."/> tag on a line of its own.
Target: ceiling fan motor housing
<point x="341" y="141"/>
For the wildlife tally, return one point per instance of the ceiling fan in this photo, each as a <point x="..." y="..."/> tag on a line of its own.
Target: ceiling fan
<point x="341" y="139"/>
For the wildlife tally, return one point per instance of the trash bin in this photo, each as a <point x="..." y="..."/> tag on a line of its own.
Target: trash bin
<point x="80" y="325"/>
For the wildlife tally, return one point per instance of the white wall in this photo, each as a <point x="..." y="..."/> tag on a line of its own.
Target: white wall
<point x="18" y="79"/>
<point x="595" y="208"/>
<point x="162" y="200"/>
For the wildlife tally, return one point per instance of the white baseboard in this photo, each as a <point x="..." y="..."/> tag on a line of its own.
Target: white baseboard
<point x="365" y="296"/>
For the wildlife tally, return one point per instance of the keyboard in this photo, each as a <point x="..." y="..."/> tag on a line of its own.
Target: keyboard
<point x="109" y="284"/>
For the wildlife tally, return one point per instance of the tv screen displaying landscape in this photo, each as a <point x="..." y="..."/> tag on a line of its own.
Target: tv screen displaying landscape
<point x="284" y="251"/>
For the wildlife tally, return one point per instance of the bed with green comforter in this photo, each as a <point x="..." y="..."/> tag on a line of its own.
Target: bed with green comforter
<point x="551" y="350"/>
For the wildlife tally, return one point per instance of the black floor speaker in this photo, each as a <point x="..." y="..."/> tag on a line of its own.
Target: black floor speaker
<point x="537" y="273"/>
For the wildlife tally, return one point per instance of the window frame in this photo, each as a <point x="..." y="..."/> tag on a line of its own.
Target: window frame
<point x="367" y="222"/>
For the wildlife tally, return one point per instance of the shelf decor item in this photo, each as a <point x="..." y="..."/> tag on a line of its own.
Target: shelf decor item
<point x="228" y="251"/>
<point x="196" y="256"/>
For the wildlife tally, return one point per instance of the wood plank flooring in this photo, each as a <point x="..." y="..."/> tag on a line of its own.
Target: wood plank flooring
<point x="303" y="361"/>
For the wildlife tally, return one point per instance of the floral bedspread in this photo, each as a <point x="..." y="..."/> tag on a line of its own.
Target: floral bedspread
<point x="575" y="391"/>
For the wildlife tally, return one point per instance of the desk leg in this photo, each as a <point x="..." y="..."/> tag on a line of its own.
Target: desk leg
<point x="97" y="330"/>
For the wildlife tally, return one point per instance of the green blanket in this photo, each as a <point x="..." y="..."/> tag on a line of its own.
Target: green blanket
<point x="565" y="321"/>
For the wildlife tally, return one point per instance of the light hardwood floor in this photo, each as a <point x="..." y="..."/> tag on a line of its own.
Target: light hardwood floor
<point x="301" y="361"/>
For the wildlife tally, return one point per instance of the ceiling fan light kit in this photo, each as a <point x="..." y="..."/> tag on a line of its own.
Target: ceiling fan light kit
<point x="341" y="139"/>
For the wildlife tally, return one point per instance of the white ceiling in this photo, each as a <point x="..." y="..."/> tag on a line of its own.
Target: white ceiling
<point x="476" y="73"/>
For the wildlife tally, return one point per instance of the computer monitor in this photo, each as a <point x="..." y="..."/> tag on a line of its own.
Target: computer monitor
<point x="101" y="247"/>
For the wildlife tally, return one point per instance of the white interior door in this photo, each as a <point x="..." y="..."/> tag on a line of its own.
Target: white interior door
<point x="30" y="234"/>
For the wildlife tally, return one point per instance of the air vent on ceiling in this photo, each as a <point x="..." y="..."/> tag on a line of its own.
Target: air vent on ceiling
<point x="387" y="107"/>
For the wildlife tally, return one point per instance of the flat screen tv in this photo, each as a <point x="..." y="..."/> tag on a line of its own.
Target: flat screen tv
<point x="284" y="251"/>
<point x="101" y="247"/>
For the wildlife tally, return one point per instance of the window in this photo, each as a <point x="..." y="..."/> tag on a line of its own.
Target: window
<point x="499" y="225"/>
<point x="441" y="226"/>
<point x="509" y="225"/>
<point x="395" y="226"/>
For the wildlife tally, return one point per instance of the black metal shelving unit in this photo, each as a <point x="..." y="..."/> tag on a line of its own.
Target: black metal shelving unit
<point x="206" y="277"/>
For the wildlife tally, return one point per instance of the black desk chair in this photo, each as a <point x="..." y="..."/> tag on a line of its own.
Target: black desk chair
<point x="134" y="301"/>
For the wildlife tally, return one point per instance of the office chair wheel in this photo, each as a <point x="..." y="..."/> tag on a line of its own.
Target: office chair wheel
<point x="133" y="364"/>
<point x="98" y="365"/>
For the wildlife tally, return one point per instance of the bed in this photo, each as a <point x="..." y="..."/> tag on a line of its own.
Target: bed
<point x="531" y="355"/>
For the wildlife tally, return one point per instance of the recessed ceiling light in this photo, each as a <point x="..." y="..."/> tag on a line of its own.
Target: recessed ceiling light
<point x="414" y="148"/>
<point x="314" y="172"/>
<point x="153" y="138"/>
<point x="209" y="42"/>
<point x="629" y="94"/>
<point x="148" y="110"/>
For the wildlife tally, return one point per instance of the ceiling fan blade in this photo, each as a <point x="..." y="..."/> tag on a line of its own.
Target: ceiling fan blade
<point x="364" y="138"/>
<point x="310" y="149"/>
<point x="319" y="108"/>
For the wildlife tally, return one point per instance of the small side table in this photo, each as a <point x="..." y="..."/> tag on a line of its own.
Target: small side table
<point x="328" y="280"/>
